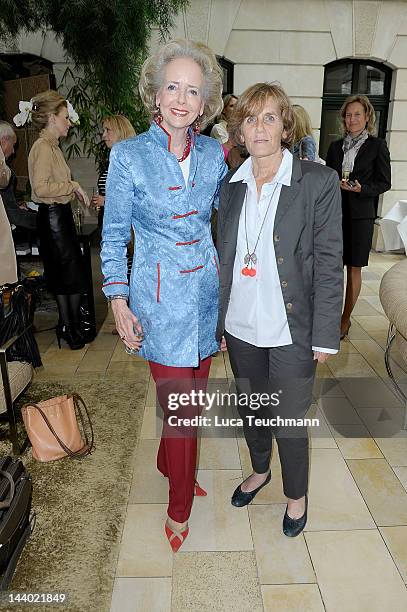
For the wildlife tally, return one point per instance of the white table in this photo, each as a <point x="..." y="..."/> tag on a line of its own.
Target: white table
<point x="394" y="227"/>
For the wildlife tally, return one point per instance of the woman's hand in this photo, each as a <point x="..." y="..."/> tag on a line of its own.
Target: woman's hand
<point x="223" y="346"/>
<point x="321" y="357"/>
<point x="82" y="196"/>
<point x="356" y="189"/>
<point x="97" y="201"/>
<point x="127" y="324"/>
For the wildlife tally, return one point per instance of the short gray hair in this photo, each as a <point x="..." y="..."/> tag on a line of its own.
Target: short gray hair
<point x="6" y="130"/>
<point x="152" y="75"/>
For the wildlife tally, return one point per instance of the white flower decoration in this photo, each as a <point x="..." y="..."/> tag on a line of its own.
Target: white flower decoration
<point x="73" y="115"/>
<point x="25" y="113"/>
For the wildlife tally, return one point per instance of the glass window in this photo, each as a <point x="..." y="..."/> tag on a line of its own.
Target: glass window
<point x="371" y="81"/>
<point x="338" y="79"/>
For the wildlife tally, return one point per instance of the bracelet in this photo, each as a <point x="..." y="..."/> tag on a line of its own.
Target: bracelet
<point x="117" y="297"/>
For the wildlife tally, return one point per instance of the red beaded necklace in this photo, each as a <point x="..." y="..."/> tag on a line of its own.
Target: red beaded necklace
<point x="187" y="148"/>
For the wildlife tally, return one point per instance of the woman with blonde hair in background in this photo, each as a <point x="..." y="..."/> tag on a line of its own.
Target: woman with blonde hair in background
<point x="53" y="189"/>
<point x="304" y="145"/>
<point x="220" y="129"/>
<point x="115" y="128"/>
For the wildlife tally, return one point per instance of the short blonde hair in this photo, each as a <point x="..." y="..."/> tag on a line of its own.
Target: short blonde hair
<point x="368" y="108"/>
<point x="45" y="104"/>
<point x="120" y="125"/>
<point x="253" y="100"/>
<point x="226" y="99"/>
<point x="151" y="77"/>
<point x="302" y="123"/>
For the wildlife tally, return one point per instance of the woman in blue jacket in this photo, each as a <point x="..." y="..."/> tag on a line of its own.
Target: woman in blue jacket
<point x="164" y="183"/>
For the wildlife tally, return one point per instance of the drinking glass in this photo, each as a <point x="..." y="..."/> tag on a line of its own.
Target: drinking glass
<point x="345" y="173"/>
<point x="146" y="328"/>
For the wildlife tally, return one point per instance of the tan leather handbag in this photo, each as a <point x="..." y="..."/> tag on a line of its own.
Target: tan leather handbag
<point x="52" y="428"/>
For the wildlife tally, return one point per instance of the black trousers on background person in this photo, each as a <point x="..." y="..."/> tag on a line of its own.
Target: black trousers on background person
<point x="288" y="371"/>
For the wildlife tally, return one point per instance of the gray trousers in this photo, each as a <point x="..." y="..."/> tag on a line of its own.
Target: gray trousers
<point x="288" y="371"/>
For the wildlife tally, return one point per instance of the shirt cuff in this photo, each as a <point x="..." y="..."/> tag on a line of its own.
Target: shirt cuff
<point x="329" y="351"/>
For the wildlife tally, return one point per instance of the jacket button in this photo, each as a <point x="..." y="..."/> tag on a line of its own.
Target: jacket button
<point x="276" y="238"/>
<point x="284" y="284"/>
<point x="280" y="260"/>
<point x="289" y="306"/>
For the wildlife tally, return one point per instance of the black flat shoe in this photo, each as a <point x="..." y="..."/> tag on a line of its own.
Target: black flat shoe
<point x="241" y="498"/>
<point x="293" y="527"/>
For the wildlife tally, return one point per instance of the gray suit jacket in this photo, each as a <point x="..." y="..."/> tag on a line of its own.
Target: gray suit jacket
<point x="308" y="249"/>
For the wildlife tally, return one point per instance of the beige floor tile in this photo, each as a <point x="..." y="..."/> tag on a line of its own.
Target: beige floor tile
<point x="280" y="560"/>
<point x="152" y="424"/>
<point x="54" y="373"/>
<point x="273" y="492"/>
<point x="215" y="582"/>
<point x="369" y="393"/>
<point x="151" y="397"/>
<point x="374" y="355"/>
<point x="380" y="337"/>
<point x="355" y="442"/>
<point x="401" y="473"/>
<point x="148" y="486"/>
<point x="219" y="454"/>
<point x="131" y="371"/>
<point x="347" y="346"/>
<point x="356" y="331"/>
<point x="320" y="436"/>
<point x="328" y="386"/>
<point x="96" y="361"/>
<point x="141" y="595"/>
<point x="56" y="358"/>
<point x="356" y="572"/>
<point x="334" y="499"/>
<point x="394" y="449"/>
<point x="214" y="524"/>
<point x="145" y="551"/>
<point x="382" y="491"/>
<point x="363" y="308"/>
<point x="367" y="291"/>
<point x="350" y="366"/>
<point x="374" y="301"/>
<point x="396" y="541"/>
<point x="373" y="323"/>
<point x="373" y="284"/>
<point x="292" y="598"/>
<point x="104" y="342"/>
<point x="338" y="411"/>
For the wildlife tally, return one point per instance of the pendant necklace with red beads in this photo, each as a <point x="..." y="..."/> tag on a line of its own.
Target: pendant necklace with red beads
<point x="250" y="259"/>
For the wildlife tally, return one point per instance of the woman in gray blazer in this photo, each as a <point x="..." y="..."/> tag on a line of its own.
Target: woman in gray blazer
<point x="280" y="251"/>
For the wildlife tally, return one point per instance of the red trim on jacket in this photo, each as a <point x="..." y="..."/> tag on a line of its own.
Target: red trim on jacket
<point x="192" y="270"/>
<point x="192" y="212"/>
<point x="175" y="188"/>
<point x="187" y="243"/>
<point x="115" y="283"/>
<point x="158" y="281"/>
<point x="216" y="264"/>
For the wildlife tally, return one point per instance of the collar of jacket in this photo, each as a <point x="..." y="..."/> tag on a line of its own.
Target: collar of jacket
<point x="53" y="141"/>
<point x="163" y="138"/>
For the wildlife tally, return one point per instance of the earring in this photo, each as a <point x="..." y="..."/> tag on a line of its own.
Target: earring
<point x="196" y="126"/>
<point x="158" y="118"/>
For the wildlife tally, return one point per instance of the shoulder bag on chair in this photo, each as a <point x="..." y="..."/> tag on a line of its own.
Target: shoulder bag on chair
<point x="53" y="430"/>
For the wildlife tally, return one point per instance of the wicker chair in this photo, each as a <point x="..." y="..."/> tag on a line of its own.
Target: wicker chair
<point x="393" y="296"/>
<point x="15" y="378"/>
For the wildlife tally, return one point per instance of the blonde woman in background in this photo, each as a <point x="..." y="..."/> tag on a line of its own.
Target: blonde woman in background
<point x="115" y="129"/>
<point x="53" y="189"/>
<point x="304" y="144"/>
<point x="220" y="129"/>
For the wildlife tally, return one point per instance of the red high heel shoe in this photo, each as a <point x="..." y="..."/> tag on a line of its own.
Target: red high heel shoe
<point x="175" y="538"/>
<point x="198" y="490"/>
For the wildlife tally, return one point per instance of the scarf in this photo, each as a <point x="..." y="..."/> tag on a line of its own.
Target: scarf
<point x="351" y="147"/>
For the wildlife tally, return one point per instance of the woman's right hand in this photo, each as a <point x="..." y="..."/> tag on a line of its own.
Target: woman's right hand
<point x="127" y="324"/>
<point x="97" y="201"/>
<point x="82" y="196"/>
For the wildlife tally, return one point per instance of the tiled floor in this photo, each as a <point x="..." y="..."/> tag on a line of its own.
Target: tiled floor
<point x="353" y="553"/>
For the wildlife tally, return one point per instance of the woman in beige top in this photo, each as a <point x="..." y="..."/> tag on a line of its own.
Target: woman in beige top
<point x="53" y="189"/>
<point x="8" y="265"/>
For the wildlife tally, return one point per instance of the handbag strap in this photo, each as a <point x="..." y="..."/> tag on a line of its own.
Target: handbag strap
<point x="86" y="448"/>
<point x="6" y="503"/>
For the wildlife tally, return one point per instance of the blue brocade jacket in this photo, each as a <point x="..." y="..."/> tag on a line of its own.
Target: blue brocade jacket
<point x="174" y="280"/>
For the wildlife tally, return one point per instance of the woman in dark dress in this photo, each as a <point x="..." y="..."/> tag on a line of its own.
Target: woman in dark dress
<point x="362" y="162"/>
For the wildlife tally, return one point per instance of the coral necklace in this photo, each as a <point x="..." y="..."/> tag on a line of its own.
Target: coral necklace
<point x="250" y="259"/>
<point x="187" y="148"/>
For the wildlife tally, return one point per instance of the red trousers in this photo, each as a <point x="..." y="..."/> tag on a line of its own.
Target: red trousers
<point x="176" y="458"/>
